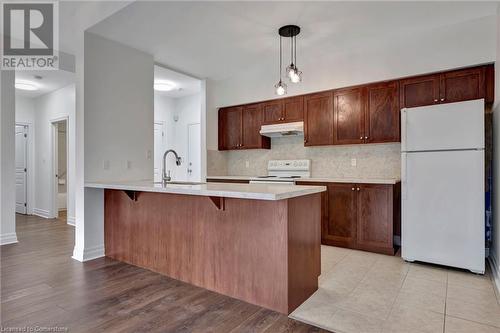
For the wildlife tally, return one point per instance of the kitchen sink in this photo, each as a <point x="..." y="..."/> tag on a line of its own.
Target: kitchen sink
<point x="180" y="183"/>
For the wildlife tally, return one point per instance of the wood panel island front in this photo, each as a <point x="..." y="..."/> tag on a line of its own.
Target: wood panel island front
<point x="255" y="242"/>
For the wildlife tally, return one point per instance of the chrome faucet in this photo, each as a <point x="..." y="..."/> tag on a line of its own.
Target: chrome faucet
<point x="178" y="160"/>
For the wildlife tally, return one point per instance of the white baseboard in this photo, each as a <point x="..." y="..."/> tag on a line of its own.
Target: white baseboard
<point x="495" y="270"/>
<point x="88" y="253"/>
<point x="10" y="238"/>
<point x="70" y="220"/>
<point x="42" y="213"/>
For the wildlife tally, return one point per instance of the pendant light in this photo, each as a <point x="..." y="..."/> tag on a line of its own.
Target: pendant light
<point x="292" y="71"/>
<point x="280" y="86"/>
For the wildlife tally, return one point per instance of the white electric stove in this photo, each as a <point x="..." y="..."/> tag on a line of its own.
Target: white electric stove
<point x="284" y="172"/>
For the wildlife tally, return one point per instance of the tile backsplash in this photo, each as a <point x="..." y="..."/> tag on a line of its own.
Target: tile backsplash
<point x="372" y="160"/>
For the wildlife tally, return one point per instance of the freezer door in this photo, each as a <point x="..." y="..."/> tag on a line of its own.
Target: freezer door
<point x="443" y="127"/>
<point x="443" y="208"/>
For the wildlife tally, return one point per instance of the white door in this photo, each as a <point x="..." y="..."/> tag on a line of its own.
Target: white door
<point x="21" y="168"/>
<point x="159" y="147"/>
<point x="194" y="152"/>
<point x="443" y="208"/>
<point x="443" y="127"/>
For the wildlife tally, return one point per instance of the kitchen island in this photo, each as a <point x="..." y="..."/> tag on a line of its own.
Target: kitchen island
<point x="256" y="242"/>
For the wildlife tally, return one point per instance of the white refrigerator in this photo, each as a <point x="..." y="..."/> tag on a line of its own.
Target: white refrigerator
<point x="442" y="179"/>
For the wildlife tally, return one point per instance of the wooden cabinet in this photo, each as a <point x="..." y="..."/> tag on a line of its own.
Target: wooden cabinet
<point x="284" y="110"/>
<point x="375" y="218"/>
<point x="239" y="128"/>
<point x="230" y="128"/>
<point x="462" y="85"/>
<point x="349" y="114"/>
<point x="447" y="87"/>
<point x="367" y="113"/>
<point x="382" y="115"/>
<point x="318" y="119"/>
<point x="360" y="216"/>
<point x="419" y="91"/>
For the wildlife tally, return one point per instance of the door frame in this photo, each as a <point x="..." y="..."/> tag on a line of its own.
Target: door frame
<point x="54" y="213"/>
<point x="187" y="152"/>
<point x="163" y="125"/>
<point x="30" y="166"/>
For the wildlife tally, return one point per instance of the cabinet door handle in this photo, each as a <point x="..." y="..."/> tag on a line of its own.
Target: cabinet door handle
<point x="442" y="99"/>
<point x="361" y="138"/>
<point x="435" y="100"/>
<point x="366" y="137"/>
<point x="352" y="189"/>
<point x="357" y="189"/>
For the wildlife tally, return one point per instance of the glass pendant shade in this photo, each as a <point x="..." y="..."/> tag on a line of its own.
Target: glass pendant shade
<point x="295" y="76"/>
<point x="280" y="88"/>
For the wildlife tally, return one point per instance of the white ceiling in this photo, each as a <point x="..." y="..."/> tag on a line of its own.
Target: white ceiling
<point x="184" y="85"/>
<point x="216" y="40"/>
<point x="51" y="81"/>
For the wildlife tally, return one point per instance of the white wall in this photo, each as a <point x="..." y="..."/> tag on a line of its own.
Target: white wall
<point x="25" y="110"/>
<point x="115" y="124"/>
<point x="187" y="110"/>
<point x="119" y="112"/>
<point x="48" y="108"/>
<point x="400" y="54"/>
<point x="495" y="253"/>
<point x="7" y="159"/>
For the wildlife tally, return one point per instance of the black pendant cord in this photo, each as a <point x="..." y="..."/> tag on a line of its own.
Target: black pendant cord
<point x="291" y="49"/>
<point x="280" y="60"/>
<point x="295" y="50"/>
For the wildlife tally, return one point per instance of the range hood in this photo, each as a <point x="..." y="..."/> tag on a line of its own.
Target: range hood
<point x="283" y="130"/>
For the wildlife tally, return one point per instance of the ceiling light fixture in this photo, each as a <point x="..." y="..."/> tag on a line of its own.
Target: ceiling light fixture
<point x="25" y="85"/>
<point x="280" y="86"/>
<point x="292" y="71"/>
<point x="163" y="86"/>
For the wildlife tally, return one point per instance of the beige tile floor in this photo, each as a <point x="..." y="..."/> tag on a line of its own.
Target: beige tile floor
<point x="367" y="292"/>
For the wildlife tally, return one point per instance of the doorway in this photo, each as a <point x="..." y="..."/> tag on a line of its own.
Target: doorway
<point x="194" y="152"/>
<point x="21" y="169"/>
<point x="60" y="167"/>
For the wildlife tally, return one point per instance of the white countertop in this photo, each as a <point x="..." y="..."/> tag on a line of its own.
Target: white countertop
<point x="228" y="190"/>
<point x="322" y="179"/>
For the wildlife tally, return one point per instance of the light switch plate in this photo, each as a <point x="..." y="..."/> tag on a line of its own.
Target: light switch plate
<point x="105" y="164"/>
<point x="129" y="164"/>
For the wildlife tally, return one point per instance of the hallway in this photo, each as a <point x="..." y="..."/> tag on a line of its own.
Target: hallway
<point x="43" y="286"/>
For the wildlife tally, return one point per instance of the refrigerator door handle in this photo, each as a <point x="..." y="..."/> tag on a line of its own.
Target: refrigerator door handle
<point x="404" y="180"/>
<point x="403" y="129"/>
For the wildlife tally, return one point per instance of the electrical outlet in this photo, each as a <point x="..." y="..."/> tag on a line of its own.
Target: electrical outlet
<point x="247" y="164"/>
<point x="354" y="162"/>
<point x="105" y="164"/>
<point x="129" y="165"/>
<point x="148" y="154"/>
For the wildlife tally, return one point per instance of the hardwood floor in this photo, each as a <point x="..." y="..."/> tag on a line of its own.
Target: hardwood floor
<point x="42" y="286"/>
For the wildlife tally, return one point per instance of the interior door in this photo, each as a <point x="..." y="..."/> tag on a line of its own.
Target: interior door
<point x="348" y="116"/>
<point x="443" y="208"/>
<point x="194" y="152"/>
<point x="21" y="168"/>
<point x="159" y="147"/>
<point x="318" y="119"/>
<point x="382" y="112"/>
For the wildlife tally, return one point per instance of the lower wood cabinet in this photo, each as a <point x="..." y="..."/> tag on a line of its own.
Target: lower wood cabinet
<point x="360" y="216"/>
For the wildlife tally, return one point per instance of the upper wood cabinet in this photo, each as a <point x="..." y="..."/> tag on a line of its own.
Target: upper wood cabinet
<point x="419" y="91"/>
<point x="447" y="87"/>
<point x="239" y="128"/>
<point x="349" y="116"/>
<point x="318" y="119"/>
<point x="462" y="85"/>
<point x="382" y="116"/>
<point x="368" y="113"/>
<point x="284" y="110"/>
